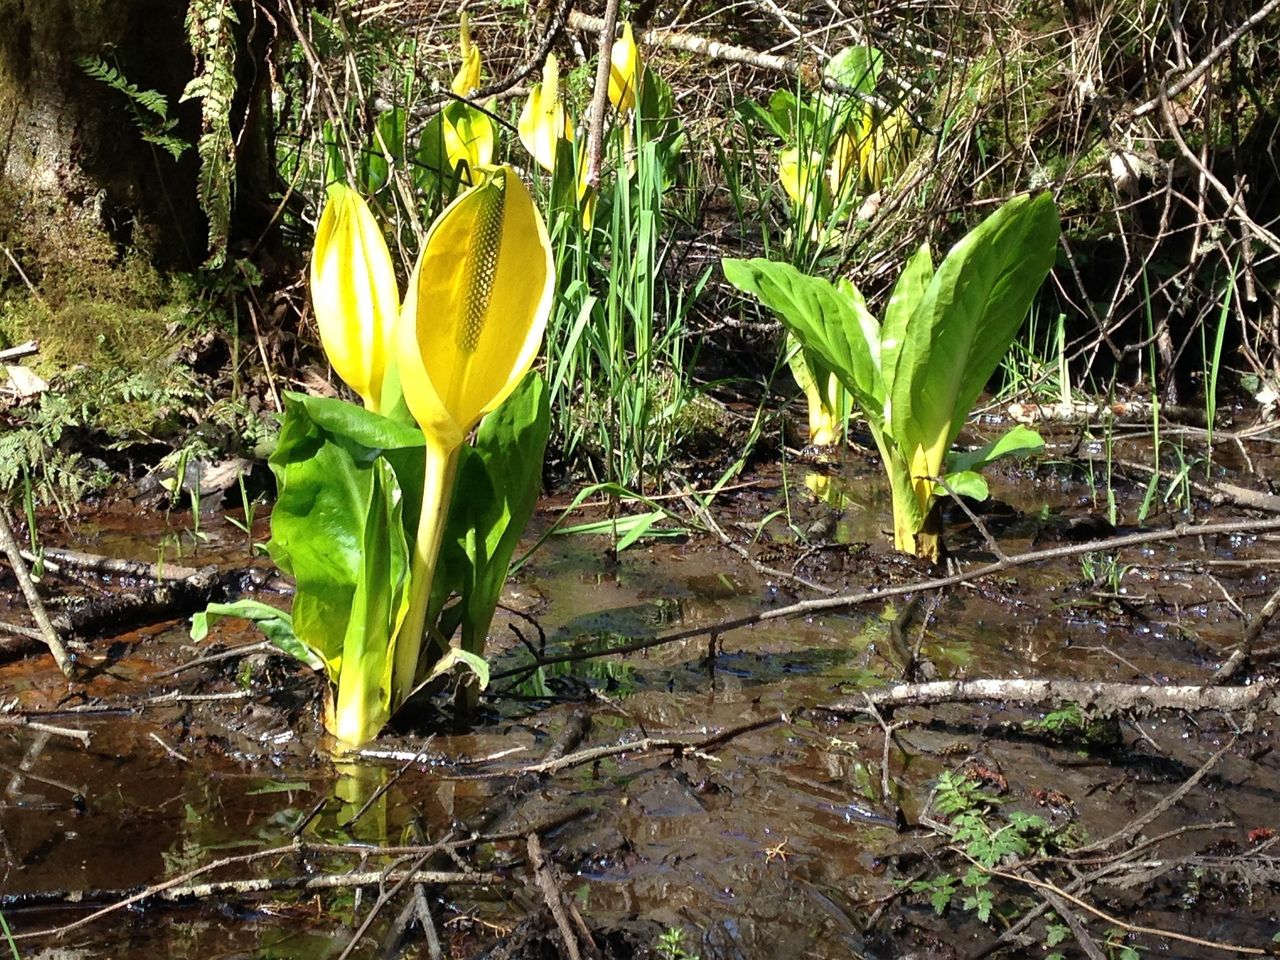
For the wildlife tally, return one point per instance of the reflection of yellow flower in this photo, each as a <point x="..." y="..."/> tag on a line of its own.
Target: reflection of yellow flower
<point x="624" y="71"/>
<point x="471" y="326"/>
<point x="468" y="76"/>
<point x="353" y="290"/>
<point x="544" y="120"/>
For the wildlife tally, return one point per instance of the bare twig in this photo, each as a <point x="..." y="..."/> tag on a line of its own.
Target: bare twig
<point x="551" y="894"/>
<point x="47" y="632"/>
<point x="600" y="98"/>
<point x="1214" y="55"/>
<point x="1131" y="829"/>
<point x="1108" y="694"/>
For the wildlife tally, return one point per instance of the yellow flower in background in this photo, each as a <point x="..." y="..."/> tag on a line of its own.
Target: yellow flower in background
<point x="354" y="293"/>
<point x="844" y="161"/>
<point x="468" y="137"/>
<point x="795" y="173"/>
<point x="467" y="78"/>
<point x="471" y="326"/>
<point x="884" y="148"/>
<point x="544" y="120"/>
<point x="624" y="71"/>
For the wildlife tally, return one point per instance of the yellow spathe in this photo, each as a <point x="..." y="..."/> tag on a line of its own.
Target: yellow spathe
<point x="624" y="71"/>
<point x="544" y="121"/>
<point x="468" y="76"/>
<point x="354" y="293"/>
<point x="476" y="308"/>
<point x="795" y="173"/>
<point x="471" y="326"/>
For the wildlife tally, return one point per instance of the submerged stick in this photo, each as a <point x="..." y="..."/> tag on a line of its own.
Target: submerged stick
<point x="48" y="634"/>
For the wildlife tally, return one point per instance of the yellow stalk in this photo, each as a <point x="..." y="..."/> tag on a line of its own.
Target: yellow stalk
<point x="437" y="488"/>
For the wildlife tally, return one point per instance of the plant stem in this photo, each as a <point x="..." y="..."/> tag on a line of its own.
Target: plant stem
<point x="437" y="487"/>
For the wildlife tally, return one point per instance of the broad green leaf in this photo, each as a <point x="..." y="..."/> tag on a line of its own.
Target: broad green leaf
<point x="855" y="67"/>
<point x="460" y="658"/>
<point x="1017" y="441"/>
<point x="325" y="464"/>
<point x="378" y="604"/>
<point x="374" y="169"/>
<point x="906" y="296"/>
<point x="342" y="419"/>
<point x="789" y="115"/>
<point x="276" y="625"/>
<point x="965" y="321"/>
<point x="751" y="112"/>
<point x="497" y="488"/>
<point x="829" y="321"/>
<point x="967" y="483"/>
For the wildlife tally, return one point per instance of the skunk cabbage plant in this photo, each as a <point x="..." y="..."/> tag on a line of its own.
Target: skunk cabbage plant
<point x="625" y="68"/>
<point x="544" y="121"/>
<point x="472" y="324"/>
<point x="366" y="499"/>
<point x="917" y="374"/>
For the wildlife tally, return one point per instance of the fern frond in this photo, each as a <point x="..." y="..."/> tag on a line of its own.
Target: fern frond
<point x="210" y="31"/>
<point x="150" y="107"/>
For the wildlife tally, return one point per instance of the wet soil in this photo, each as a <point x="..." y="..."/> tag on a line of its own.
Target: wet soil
<point x="786" y="838"/>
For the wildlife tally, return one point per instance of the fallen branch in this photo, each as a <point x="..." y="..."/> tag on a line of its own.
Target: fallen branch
<point x="21" y="350"/>
<point x="1107" y="694"/>
<point x="182" y="887"/>
<point x="47" y="632"/>
<point x="554" y="898"/>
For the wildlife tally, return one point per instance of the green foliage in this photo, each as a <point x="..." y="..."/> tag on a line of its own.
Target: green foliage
<point x="210" y="26"/>
<point x="350" y="487"/>
<point x="1072" y="724"/>
<point x="45" y="440"/>
<point x="985" y="839"/>
<point x="670" y="945"/>
<point x="617" y="355"/>
<point x="917" y="375"/>
<point x="150" y="107"/>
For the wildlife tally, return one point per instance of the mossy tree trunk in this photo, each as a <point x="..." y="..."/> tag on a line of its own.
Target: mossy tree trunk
<point x="75" y="174"/>
<point x="77" y="177"/>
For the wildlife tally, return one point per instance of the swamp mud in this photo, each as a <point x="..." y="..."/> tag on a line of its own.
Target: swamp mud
<point x="774" y="782"/>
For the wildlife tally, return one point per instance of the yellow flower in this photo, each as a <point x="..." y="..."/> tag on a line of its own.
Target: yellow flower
<point x="844" y="161"/>
<point x="796" y="174"/>
<point x="544" y="121"/>
<point x="624" y="71"/>
<point x="468" y="76"/>
<point x="471" y="326"/>
<point x="353" y="290"/>
<point x="468" y="137"/>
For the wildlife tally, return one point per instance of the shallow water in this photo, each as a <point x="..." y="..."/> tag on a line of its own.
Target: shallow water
<point x="776" y="843"/>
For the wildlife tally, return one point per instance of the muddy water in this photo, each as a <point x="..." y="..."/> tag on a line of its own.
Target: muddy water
<point x="779" y="843"/>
